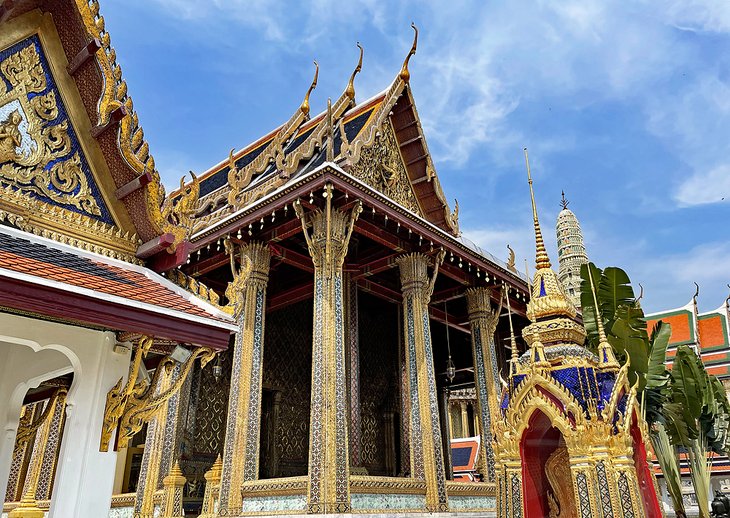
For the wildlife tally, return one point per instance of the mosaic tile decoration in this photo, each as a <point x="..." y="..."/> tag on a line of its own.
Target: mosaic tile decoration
<point x="267" y="504"/>
<point x="383" y="502"/>
<point x="460" y="503"/>
<point x="484" y="417"/>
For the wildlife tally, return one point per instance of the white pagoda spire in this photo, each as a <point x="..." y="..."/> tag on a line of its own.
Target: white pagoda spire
<point x="571" y="252"/>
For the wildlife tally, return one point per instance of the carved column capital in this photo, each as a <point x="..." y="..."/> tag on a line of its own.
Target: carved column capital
<point x="414" y="275"/>
<point x="250" y="267"/>
<point x="478" y="302"/>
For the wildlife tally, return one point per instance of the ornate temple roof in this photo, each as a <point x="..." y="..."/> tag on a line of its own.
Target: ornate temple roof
<point x="709" y="331"/>
<point x="106" y="292"/>
<point x="113" y="194"/>
<point x="346" y="134"/>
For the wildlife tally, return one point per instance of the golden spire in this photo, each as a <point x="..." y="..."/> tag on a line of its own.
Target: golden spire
<point x="350" y="90"/>
<point x="541" y="258"/>
<point x="405" y="75"/>
<point x="305" y="103"/>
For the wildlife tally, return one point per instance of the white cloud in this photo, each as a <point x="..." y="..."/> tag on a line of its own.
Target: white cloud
<point x="667" y="277"/>
<point x="711" y="186"/>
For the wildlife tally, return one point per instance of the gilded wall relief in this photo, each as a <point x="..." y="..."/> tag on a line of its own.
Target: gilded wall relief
<point x="40" y="155"/>
<point x="381" y="167"/>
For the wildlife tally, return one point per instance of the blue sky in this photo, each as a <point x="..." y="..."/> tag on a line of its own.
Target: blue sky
<point x="624" y="105"/>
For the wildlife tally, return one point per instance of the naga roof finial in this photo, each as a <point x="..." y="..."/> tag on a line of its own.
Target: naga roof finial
<point x="541" y="258"/>
<point x="350" y="90"/>
<point x="405" y="75"/>
<point x="305" y="103"/>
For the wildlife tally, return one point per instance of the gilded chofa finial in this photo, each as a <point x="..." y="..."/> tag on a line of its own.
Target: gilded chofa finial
<point x="350" y="90"/>
<point x="541" y="258"/>
<point x="305" y="103"/>
<point x="405" y="75"/>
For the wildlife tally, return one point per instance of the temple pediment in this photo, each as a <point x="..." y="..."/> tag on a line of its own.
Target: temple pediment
<point x="379" y="142"/>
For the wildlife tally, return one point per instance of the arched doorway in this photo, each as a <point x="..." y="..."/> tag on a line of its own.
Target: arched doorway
<point x="546" y="478"/>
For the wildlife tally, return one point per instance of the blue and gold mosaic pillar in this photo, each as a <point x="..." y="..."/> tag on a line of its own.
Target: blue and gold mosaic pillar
<point x="627" y="485"/>
<point x="247" y="294"/>
<point x="483" y="322"/>
<point x="150" y="477"/>
<point x="585" y="490"/>
<point x="427" y="460"/>
<point x="328" y="488"/>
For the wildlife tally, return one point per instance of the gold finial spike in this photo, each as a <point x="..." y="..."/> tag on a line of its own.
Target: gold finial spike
<point x="350" y="90"/>
<point x="305" y="103"/>
<point x="405" y="75"/>
<point x="541" y="258"/>
<point x="330" y="133"/>
<point x="513" y="343"/>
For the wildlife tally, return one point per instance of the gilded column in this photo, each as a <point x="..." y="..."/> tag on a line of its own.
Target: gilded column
<point x="464" y="418"/>
<point x="28" y="507"/>
<point x="353" y="344"/>
<point x="22" y="450"/>
<point x="427" y="460"/>
<point x="483" y="321"/>
<point x="623" y="475"/>
<point x="247" y="297"/>
<point x="405" y="403"/>
<point x="328" y="487"/>
<point x="50" y="454"/>
<point x="584" y="485"/>
<point x="154" y="446"/>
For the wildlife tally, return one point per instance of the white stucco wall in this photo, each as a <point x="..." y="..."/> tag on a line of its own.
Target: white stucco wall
<point x="32" y="351"/>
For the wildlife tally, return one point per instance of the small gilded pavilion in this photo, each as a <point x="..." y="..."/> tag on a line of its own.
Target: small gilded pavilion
<point x="286" y="333"/>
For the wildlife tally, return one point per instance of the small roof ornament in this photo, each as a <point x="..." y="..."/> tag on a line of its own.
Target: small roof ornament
<point x="350" y="90"/>
<point x="405" y="75"/>
<point x="305" y="103"/>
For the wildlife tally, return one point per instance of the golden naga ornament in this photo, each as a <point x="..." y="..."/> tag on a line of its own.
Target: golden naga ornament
<point x="235" y="293"/>
<point x="129" y="408"/>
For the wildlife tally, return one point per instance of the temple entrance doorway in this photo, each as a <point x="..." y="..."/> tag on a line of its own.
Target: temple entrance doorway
<point x="546" y="477"/>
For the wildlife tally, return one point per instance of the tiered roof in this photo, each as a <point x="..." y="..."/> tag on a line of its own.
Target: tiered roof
<point x="344" y="134"/>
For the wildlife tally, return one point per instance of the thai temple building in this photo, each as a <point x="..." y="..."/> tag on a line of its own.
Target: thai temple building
<point x="707" y="333"/>
<point x="571" y="252"/>
<point x="289" y="332"/>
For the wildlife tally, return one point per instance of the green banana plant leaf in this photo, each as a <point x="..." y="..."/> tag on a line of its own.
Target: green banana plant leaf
<point x="689" y="384"/>
<point x="629" y="341"/>
<point x="669" y="462"/>
<point x="588" y="304"/>
<point x="614" y="291"/>
<point x="656" y="391"/>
